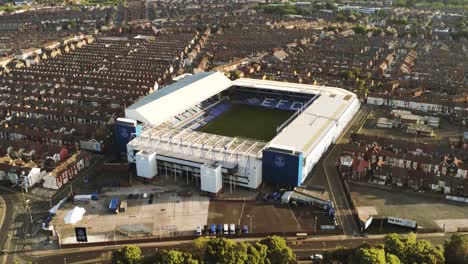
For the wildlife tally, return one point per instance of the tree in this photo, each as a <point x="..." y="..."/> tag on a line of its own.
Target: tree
<point x="409" y="250"/>
<point x="456" y="249"/>
<point x="221" y="250"/>
<point x="199" y="247"/>
<point x="235" y="74"/>
<point x="128" y="255"/>
<point x="369" y="256"/>
<point x="256" y="253"/>
<point x="392" y="259"/>
<point x="394" y="245"/>
<point x="278" y="252"/>
<point x="424" y="252"/>
<point x="360" y="30"/>
<point x="174" y="257"/>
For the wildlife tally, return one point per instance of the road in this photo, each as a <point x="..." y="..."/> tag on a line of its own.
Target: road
<point x="303" y="249"/>
<point x="13" y="228"/>
<point x="343" y="208"/>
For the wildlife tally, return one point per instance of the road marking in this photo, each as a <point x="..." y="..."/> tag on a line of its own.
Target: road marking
<point x="294" y="216"/>
<point x="242" y="211"/>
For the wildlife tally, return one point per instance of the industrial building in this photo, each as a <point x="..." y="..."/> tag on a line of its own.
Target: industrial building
<point x="162" y="131"/>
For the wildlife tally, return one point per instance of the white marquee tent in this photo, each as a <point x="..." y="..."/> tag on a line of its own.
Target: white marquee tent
<point x="75" y="215"/>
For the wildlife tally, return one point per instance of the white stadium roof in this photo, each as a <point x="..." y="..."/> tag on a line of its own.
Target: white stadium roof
<point x="313" y="124"/>
<point x="172" y="100"/>
<point x="334" y="107"/>
<point x="289" y="87"/>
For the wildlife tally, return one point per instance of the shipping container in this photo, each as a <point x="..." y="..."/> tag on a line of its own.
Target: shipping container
<point x="402" y="222"/>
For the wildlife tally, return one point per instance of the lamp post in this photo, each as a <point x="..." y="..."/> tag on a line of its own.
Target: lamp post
<point x="27" y="207"/>
<point x="251" y="226"/>
<point x="315" y="224"/>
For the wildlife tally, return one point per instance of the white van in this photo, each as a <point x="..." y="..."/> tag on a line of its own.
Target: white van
<point x="226" y="229"/>
<point x="232" y="229"/>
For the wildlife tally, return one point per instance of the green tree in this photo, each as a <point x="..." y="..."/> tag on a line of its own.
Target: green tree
<point x="199" y="247"/>
<point x="409" y="250"/>
<point x="221" y="250"/>
<point x="278" y="252"/>
<point x="392" y="259"/>
<point x="174" y="257"/>
<point x="424" y="252"/>
<point x="394" y="245"/>
<point x="456" y="249"/>
<point x="369" y="256"/>
<point x="128" y="255"/>
<point x="256" y="253"/>
<point x="235" y="74"/>
<point x="359" y="30"/>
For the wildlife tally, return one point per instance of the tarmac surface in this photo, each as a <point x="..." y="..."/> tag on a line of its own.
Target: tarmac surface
<point x="302" y="248"/>
<point x="427" y="209"/>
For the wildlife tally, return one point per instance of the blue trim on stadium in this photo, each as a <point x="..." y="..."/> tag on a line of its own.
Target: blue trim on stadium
<point x="282" y="168"/>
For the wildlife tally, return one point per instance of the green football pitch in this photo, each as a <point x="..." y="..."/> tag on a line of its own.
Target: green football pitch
<point x="246" y="121"/>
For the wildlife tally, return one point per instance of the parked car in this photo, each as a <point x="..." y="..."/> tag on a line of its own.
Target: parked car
<point x="219" y="230"/>
<point x="198" y="232"/>
<point x="266" y="197"/>
<point x="316" y="257"/>
<point x="130" y="196"/>
<point x="226" y="229"/>
<point x="245" y="230"/>
<point x="213" y="229"/>
<point x="205" y="230"/>
<point x="123" y="206"/>
<point x="232" y="229"/>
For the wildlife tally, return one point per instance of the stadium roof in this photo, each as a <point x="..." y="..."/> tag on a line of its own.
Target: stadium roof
<point x="314" y="124"/>
<point x="174" y="99"/>
<point x="289" y="87"/>
<point x="307" y="130"/>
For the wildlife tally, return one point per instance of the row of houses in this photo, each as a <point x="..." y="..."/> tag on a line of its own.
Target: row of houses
<point x="53" y="175"/>
<point x="429" y="168"/>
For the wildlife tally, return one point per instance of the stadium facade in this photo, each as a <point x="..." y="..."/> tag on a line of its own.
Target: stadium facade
<point x="164" y="137"/>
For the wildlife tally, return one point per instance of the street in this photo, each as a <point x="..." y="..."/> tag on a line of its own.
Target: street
<point x="302" y="248"/>
<point x="344" y="211"/>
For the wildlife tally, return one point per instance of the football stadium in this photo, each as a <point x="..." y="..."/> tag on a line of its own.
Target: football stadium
<point x="243" y="132"/>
